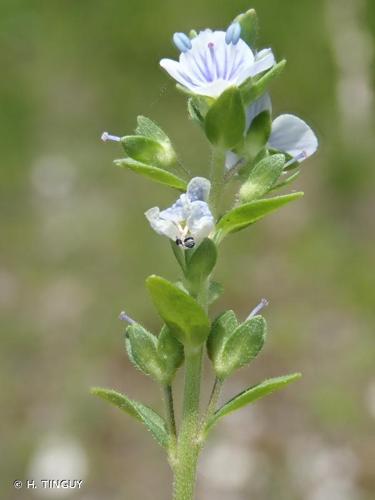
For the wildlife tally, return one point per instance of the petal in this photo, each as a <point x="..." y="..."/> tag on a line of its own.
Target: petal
<point x="260" y="64"/>
<point x="198" y="189"/>
<point x="258" y="106"/>
<point x="161" y="226"/>
<point x="174" y="69"/>
<point x="292" y="135"/>
<point x="200" y="221"/>
<point x="178" y="212"/>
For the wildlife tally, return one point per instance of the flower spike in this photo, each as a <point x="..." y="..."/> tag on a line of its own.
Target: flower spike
<point x="233" y="34"/>
<point x="108" y="137"/>
<point x="262" y="304"/>
<point x="182" y="42"/>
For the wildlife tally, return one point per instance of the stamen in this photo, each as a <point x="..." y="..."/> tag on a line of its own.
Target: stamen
<point x="262" y="304"/>
<point x="124" y="317"/>
<point x="300" y="157"/>
<point x="182" y="42"/>
<point x="108" y="137"/>
<point x="233" y="34"/>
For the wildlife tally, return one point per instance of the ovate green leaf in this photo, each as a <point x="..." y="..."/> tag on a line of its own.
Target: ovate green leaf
<point x="252" y="394"/>
<point x="154" y="173"/>
<point x="152" y="420"/>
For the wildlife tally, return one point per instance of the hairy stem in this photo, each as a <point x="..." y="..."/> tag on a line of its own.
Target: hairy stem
<point x="188" y="446"/>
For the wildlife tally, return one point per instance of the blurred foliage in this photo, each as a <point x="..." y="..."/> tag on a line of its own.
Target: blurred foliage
<point x="75" y="247"/>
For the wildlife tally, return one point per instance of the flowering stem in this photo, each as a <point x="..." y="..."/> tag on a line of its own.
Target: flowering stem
<point x="188" y="446"/>
<point x="217" y="178"/>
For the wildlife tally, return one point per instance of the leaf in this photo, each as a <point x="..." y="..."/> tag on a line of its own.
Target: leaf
<point x="152" y="420"/>
<point x="181" y="313"/>
<point x="225" y="120"/>
<point x="148" y="128"/>
<point x="156" y="174"/>
<point x="252" y="89"/>
<point x="252" y="394"/>
<point x="215" y="290"/>
<point x="240" y="217"/>
<point x="262" y="178"/>
<point x="201" y="262"/>
<point x="249" y="26"/>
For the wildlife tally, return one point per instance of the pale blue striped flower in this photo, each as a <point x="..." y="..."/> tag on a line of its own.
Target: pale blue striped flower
<point x="189" y="220"/>
<point x="215" y="60"/>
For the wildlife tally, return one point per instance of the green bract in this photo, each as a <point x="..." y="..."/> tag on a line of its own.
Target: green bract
<point x="152" y="420"/>
<point x="225" y="120"/>
<point x="252" y="394"/>
<point x="186" y="319"/>
<point x="154" y="173"/>
<point x="248" y="213"/>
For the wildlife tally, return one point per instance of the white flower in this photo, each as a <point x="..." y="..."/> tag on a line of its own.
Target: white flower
<point x="289" y="134"/>
<point x="189" y="220"/>
<point x="215" y="60"/>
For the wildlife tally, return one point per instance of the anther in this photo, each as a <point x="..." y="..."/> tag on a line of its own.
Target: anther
<point x="108" y="137"/>
<point x="233" y="34"/>
<point x="262" y="304"/>
<point x="124" y="317"/>
<point x="182" y="42"/>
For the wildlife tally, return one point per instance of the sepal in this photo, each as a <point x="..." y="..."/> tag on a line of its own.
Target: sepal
<point x="225" y="121"/>
<point x="254" y="88"/>
<point x="171" y="354"/>
<point x="149" y="151"/>
<point x="201" y="263"/>
<point x="262" y="178"/>
<point x="249" y="26"/>
<point x="231" y="346"/>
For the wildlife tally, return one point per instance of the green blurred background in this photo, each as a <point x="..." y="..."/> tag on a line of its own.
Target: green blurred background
<point x="75" y="249"/>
